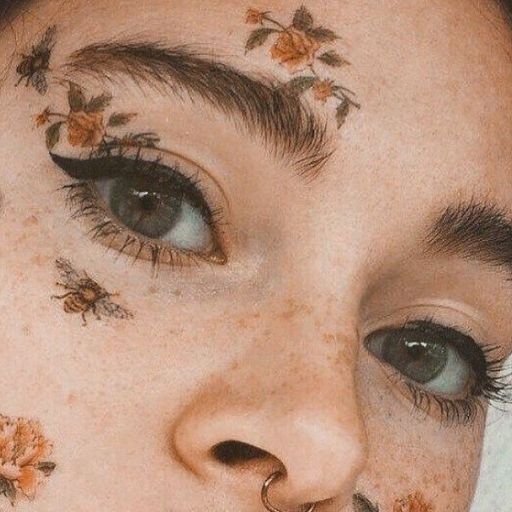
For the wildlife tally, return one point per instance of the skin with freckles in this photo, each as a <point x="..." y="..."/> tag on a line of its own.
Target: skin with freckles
<point x="322" y="298"/>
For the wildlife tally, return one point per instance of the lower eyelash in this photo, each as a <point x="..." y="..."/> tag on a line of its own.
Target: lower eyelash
<point x="84" y="204"/>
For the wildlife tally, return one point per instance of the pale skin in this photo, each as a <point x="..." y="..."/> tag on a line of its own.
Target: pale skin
<point x="265" y="349"/>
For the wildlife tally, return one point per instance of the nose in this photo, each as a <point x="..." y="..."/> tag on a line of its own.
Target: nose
<point x="292" y="411"/>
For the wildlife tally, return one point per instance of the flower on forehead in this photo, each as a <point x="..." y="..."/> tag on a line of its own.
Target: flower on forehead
<point x="254" y="17"/>
<point x="413" y="503"/>
<point x="294" y="49"/>
<point x="43" y="117"/>
<point x="323" y="89"/>
<point x="23" y="450"/>
<point x="85" y="129"/>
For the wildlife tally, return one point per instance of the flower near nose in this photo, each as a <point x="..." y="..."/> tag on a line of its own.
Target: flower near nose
<point x="23" y="457"/>
<point x="413" y="503"/>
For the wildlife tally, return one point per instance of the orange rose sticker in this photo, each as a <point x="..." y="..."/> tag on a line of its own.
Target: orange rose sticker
<point x="85" y="129"/>
<point x="323" y="89"/>
<point x="86" y="124"/>
<point x="295" y="50"/>
<point x="254" y="17"/>
<point x="298" y="48"/>
<point x="23" y="457"/>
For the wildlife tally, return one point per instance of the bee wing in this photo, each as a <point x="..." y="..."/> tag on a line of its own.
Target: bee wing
<point x="67" y="273"/>
<point x="107" y="308"/>
<point x="47" y="41"/>
<point x="38" y="81"/>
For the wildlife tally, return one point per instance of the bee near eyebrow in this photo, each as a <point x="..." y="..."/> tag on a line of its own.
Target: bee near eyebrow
<point x="34" y="67"/>
<point x="84" y="295"/>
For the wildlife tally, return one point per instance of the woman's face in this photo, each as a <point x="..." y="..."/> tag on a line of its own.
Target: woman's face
<point x="332" y="303"/>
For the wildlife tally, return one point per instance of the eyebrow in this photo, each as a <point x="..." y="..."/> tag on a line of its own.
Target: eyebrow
<point x="285" y="124"/>
<point x="475" y="230"/>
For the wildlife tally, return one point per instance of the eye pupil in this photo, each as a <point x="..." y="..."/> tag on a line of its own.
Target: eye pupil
<point x="150" y="207"/>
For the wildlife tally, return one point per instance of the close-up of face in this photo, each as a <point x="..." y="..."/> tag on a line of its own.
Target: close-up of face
<point x="255" y="256"/>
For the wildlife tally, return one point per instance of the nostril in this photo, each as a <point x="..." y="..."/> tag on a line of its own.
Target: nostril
<point x="236" y="452"/>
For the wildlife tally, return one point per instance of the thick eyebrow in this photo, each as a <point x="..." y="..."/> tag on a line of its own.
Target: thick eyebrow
<point x="475" y="230"/>
<point x="285" y="124"/>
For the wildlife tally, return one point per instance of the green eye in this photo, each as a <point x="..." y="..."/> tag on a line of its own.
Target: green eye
<point x="423" y="357"/>
<point x="160" y="206"/>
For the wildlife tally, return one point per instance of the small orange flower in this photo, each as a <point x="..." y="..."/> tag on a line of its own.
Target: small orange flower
<point x="294" y="49"/>
<point x="43" y="117"/>
<point x="85" y="129"/>
<point x="413" y="503"/>
<point x="23" y="450"/>
<point x="323" y="89"/>
<point x="254" y="17"/>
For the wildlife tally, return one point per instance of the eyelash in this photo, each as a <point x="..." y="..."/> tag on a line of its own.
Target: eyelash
<point x="85" y="203"/>
<point x="491" y="384"/>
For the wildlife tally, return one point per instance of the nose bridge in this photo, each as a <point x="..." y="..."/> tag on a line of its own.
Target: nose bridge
<point x="292" y="395"/>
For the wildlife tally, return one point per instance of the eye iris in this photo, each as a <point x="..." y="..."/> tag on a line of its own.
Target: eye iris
<point x="148" y="206"/>
<point x="416" y="357"/>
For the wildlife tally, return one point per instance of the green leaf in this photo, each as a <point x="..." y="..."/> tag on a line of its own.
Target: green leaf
<point x="302" y="19"/>
<point x="332" y="58"/>
<point x="99" y="103"/>
<point x="53" y="135"/>
<point x="8" y="490"/>
<point x="120" y="119"/>
<point x="46" y="467"/>
<point x="300" y="84"/>
<point x="258" y="37"/>
<point x="323" y="35"/>
<point x="76" y="97"/>
<point x="342" y="112"/>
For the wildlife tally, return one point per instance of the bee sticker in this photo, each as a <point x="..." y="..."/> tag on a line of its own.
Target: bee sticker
<point x="362" y="504"/>
<point x="34" y="67"/>
<point x="84" y="294"/>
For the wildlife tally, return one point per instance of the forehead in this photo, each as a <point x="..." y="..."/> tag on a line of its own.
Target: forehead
<point x="434" y="77"/>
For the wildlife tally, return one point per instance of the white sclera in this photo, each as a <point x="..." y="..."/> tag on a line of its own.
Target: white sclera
<point x="191" y="232"/>
<point x="454" y="377"/>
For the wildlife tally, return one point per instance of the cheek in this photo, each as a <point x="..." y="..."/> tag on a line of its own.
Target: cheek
<point x="413" y="458"/>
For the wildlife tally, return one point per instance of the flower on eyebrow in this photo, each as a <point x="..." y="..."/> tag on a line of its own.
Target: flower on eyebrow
<point x="87" y="126"/>
<point x="255" y="17"/>
<point x="43" y="117"/>
<point x="413" y="503"/>
<point x="297" y="48"/>
<point x="24" y="451"/>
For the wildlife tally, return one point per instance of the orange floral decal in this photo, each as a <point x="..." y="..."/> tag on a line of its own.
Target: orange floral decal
<point x="24" y="453"/>
<point x="298" y="48"/>
<point x="87" y="126"/>
<point x="413" y="503"/>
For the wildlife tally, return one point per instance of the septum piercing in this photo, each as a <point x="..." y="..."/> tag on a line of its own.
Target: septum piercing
<point x="265" y="499"/>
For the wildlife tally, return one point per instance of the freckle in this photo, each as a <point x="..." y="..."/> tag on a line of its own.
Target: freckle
<point x="242" y="323"/>
<point x="38" y="260"/>
<point x="329" y="338"/>
<point x="31" y="220"/>
<point x="177" y="293"/>
<point x="71" y="400"/>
